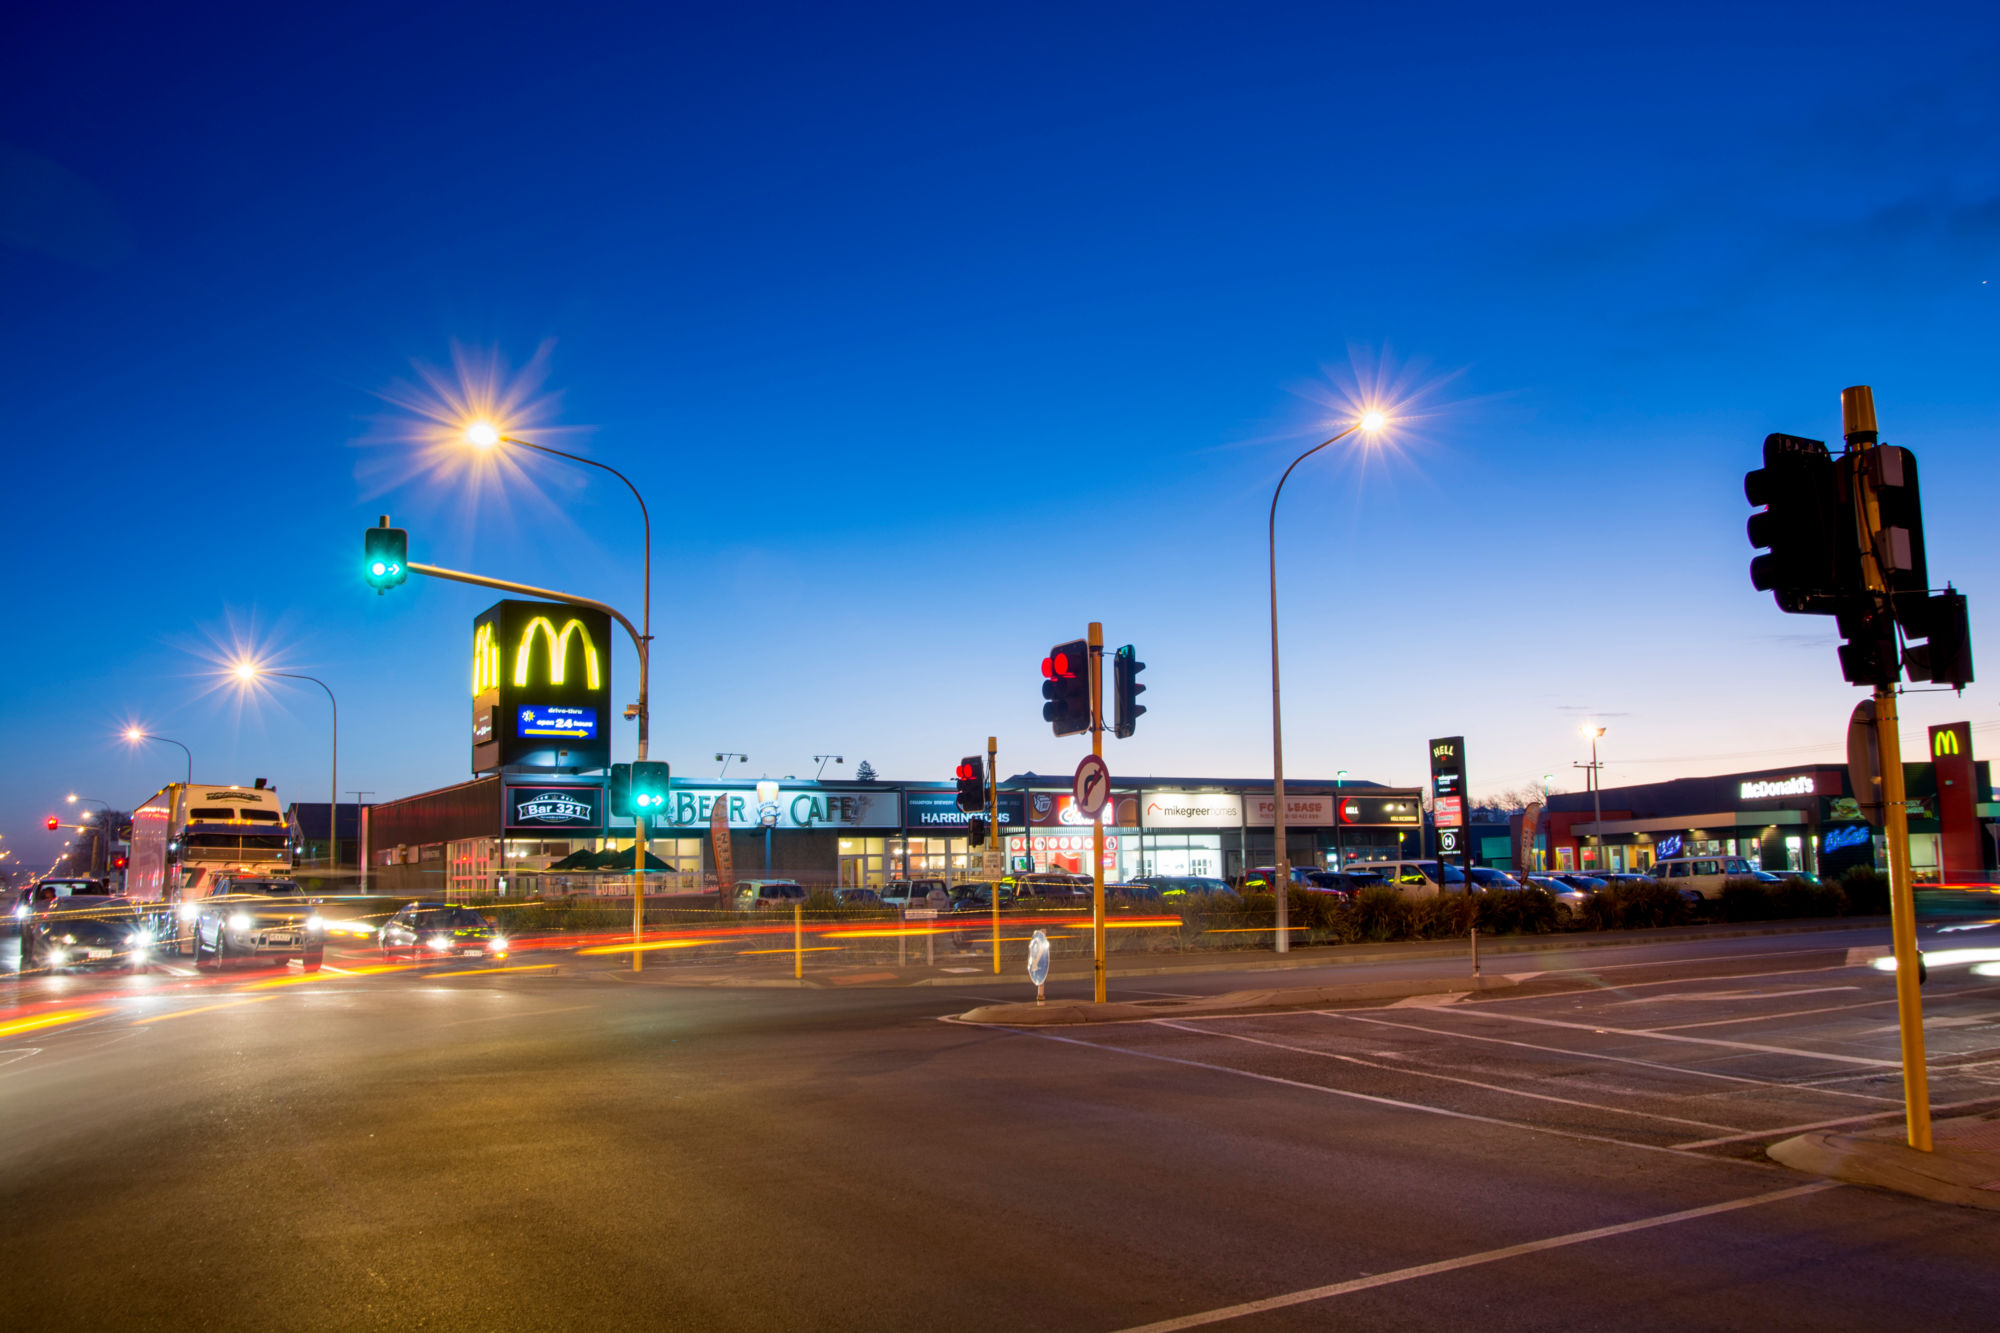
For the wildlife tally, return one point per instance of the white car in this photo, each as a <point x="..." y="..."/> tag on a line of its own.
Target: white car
<point x="1703" y="876"/>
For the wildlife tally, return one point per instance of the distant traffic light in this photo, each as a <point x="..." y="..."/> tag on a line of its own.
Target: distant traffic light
<point x="618" y="800"/>
<point x="971" y="775"/>
<point x="649" y="786"/>
<point x="1947" y="658"/>
<point x="385" y="556"/>
<point x="54" y="823"/>
<point x="1066" y="687"/>
<point x="1799" y="526"/>
<point x="1125" y="675"/>
<point x="975" y="831"/>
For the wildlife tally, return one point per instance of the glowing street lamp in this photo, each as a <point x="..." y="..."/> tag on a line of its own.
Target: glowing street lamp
<point x="136" y="735"/>
<point x="1596" y="790"/>
<point x="1370" y="422"/>
<point x="248" y="673"/>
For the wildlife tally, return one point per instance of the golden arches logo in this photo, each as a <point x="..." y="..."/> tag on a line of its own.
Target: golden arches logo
<point x="558" y="651"/>
<point x="1945" y="742"/>
<point x="485" y="660"/>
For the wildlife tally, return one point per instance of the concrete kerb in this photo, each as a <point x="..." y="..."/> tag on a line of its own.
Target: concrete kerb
<point x="1271" y="1000"/>
<point x="1963" y="1168"/>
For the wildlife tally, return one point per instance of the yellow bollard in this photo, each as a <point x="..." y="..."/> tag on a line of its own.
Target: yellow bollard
<point x="798" y="942"/>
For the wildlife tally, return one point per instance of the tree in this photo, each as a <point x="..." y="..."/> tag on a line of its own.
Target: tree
<point x="864" y="772"/>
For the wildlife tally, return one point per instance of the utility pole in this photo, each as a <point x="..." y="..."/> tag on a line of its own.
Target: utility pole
<point x="1096" y="639"/>
<point x="360" y="850"/>
<point x="993" y="837"/>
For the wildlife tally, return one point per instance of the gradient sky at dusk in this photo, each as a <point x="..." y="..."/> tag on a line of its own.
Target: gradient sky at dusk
<point x="932" y="333"/>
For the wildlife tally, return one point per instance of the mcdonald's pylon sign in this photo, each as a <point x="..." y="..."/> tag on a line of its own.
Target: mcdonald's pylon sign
<point x="541" y="687"/>
<point x="1944" y="741"/>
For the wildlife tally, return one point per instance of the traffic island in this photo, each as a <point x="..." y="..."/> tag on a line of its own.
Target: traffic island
<point x="1267" y="1001"/>
<point x="1963" y="1167"/>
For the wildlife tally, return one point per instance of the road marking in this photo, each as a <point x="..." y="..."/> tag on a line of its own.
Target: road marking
<point x="1350" y="1095"/>
<point x="1787" y="1131"/>
<point x="1474" y="1012"/>
<point x="1737" y="994"/>
<point x="203" y="1009"/>
<point x="1639" y="985"/>
<point x="1446" y="1078"/>
<point x="1227" y="1312"/>
<point x="1772" y="1018"/>
<point x="173" y="971"/>
<point x="329" y="967"/>
<point x="1614" y="1059"/>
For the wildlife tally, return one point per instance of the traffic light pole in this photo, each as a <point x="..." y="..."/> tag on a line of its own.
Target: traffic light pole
<point x="1858" y="424"/>
<point x="639" y="642"/>
<point x="1096" y="638"/>
<point x="993" y="835"/>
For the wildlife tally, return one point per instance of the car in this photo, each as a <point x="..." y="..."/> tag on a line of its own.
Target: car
<point x="59" y="886"/>
<point x="977" y="896"/>
<point x="1419" y="879"/>
<point x="257" y="918"/>
<point x="903" y="893"/>
<point x="1050" y="886"/>
<point x="1703" y="875"/>
<point x="1185" y="886"/>
<point x="66" y="931"/>
<point x="1570" y="878"/>
<point x="1569" y="898"/>
<point x="858" y="897"/>
<point x="1134" y="892"/>
<point x="1259" y="879"/>
<point x="1486" y="879"/>
<point x="753" y="894"/>
<point x="440" y="930"/>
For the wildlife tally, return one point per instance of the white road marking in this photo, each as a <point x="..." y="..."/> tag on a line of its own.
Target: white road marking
<point x="1444" y="1078"/>
<point x="173" y="971"/>
<point x="1333" y="1289"/>
<point x="329" y="967"/>
<point x="1786" y="1131"/>
<point x="1772" y="1018"/>
<point x="1736" y="994"/>
<point x="1353" y="1017"/>
<point x="1600" y="1029"/>
<point x="1615" y="986"/>
<point x="1351" y="1096"/>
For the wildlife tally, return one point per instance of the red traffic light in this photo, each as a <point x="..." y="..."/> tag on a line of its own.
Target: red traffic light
<point x="965" y="773"/>
<point x="1056" y="666"/>
<point x="117" y="863"/>
<point x="54" y="823"/>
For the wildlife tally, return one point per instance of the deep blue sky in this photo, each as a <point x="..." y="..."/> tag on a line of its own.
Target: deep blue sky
<point x="931" y="334"/>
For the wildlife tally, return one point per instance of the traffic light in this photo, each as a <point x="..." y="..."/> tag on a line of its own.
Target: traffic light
<point x="619" y="799"/>
<point x="649" y="786"/>
<point x="1066" y="687"/>
<point x="1807" y="552"/>
<point x="1869" y="655"/>
<point x="1125" y="669"/>
<point x="54" y="823"/>
<point x="1947" y="658"/>
<point x="117" y="863"/>
<point x="385" y="556"/>
<point x="1892" y="473"/>
<point x="971" y="775"/>
<point x="975" y="831"/>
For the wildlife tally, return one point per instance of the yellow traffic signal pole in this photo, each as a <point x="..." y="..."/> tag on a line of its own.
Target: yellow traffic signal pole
<point x="993" y="835"/>
<point x="1857" y="410"/>
<point x="1097" y="825"/>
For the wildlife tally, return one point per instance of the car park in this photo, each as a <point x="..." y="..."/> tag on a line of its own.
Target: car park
<point x="753" y="894"/>
<point x="66" y="931"/>
<point x="440" y="930"/>
<point x="1569" y="898"/>
<point x="268" y="919"/>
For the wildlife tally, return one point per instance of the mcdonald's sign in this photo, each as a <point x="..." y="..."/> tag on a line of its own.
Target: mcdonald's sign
<point x="1944" y="741"/>
<point x="541" y="687"/>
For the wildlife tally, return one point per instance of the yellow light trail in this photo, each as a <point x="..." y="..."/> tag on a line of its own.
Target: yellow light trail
<point x="905" y="932"/>
<point x="488" y="971"/>
<point x="308" y="978"/>
<point x="811" y="948"/>
<point x="203" y="1009"/>
<point x="47" y="1021"/>
<point x="648" y="947"/>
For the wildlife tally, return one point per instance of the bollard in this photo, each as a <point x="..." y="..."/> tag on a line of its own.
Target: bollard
<point x="1475" y="951"/>
<point x="798" y="942"/>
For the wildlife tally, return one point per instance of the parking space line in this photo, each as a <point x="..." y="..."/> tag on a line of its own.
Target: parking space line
<point x="1350" y="1095"/>
<point x="1444" y="1078"/>
<point x="1602" y="1030"/>
<point x="1786" y="1131"/>
<point x="1332" y="1289"/>
<point x="1613" y="1059"/>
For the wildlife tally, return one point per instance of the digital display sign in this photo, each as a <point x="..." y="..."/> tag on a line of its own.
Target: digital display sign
<point x="547" y="720"/>
<point x="541" y="684"/>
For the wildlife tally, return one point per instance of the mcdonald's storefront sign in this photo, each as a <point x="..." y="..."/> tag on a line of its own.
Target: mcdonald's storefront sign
<point x="541" y="686"/>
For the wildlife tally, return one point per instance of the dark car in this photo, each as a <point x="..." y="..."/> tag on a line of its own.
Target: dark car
<point x="269" y="919"/>
<point x="1051" y="887"/>
<point x="859" y="898"/>
<point x="439" y="930"/>
<point x="977" y="896"/>
<point x="1485" y="879"/>
<point x="1183" y="886"/>
<point x="59" y="886"/>
<point x="62" y="932"/>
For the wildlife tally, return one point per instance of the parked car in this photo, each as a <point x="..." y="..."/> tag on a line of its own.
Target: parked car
<point x="1182" y="886"/>
<point x="271" y="919"/>
<point x="977" y="896"/>
<point x="1051" y="886"/>
<point x="1259" y="879"/>
<point x="1569" y="898"/>
<point x="437" y="930"/>
<point x="1587" y="883"/>
<point x="1420" y="879"/>
<point x="1485" y="879"/>
<point x="905" y="893"/>
<point x="858" y="898"/>
<point x="1703" y="875"/>
<point x="752" y="894"/>
<point x="65" y="931"/>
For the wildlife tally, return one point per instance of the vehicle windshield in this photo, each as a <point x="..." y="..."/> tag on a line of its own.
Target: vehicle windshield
<point x="267" y="888"/>
<point x="453" y="918"/>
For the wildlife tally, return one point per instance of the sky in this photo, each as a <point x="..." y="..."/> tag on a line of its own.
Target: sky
<point x="931" y="333"/>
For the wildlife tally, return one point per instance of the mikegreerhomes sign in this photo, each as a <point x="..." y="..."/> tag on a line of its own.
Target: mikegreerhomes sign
<point x="1191" y="809"/>
<point x="694" y="807"/>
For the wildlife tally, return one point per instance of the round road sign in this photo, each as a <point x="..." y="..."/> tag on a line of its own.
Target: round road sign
<point x="1092" y="786"/>
<point x="1038" y="958"/>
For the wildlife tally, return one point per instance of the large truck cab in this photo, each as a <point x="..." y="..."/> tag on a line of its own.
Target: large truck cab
<point x="189" y="836"/>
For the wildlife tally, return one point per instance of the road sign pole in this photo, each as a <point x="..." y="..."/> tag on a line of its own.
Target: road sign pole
<point x="993" y="836"/>
<point x="1097" y="825"/>
<point x="638" y="889"/>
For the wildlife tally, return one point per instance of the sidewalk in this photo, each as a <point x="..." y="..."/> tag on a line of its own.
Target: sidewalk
<point x="1963" y="1168"/>
<point x="976" y="969"/>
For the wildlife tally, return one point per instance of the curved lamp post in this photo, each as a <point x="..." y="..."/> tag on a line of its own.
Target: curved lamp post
<point x="247" y="672"/>
<point x="135" y="735"/>
<point x="1369" y="422"/>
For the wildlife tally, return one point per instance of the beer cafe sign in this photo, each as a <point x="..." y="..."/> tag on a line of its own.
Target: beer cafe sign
<point x="691" y="808"/>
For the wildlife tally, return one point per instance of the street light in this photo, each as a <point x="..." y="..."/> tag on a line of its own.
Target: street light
<point x="724" y="759"/>
<point x="1371" y="421"/>
<point x="248" y="673"/>
<point x="822" y="758"/>
<point x="486" y="435"/>
<point x="1596" y="794"/>
<point x="1339" y="841"/>
<point x="134" y="735"/>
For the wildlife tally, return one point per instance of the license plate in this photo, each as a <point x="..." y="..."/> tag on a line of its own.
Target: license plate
<point x="97" y="953"/>
<point x="286" y="939"/>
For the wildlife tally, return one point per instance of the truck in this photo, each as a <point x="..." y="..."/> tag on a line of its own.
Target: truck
<point x="190" y="840"/>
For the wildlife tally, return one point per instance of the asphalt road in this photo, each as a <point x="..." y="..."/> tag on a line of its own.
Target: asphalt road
<point x="564" y="1147"/>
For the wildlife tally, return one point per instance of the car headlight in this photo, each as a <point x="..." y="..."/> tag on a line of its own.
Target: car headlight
<point x="142" y="939"/>
<point x="440" y="941"/>
<point x="69" y="939"/>
<point x="497" y="944"/>
<point x="57" y="957"/>
<point x="315" y="922"/>
<point x="241" y="921"/>
<point x="189" y="911"/>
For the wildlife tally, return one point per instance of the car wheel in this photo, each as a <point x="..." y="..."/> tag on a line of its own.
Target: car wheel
<point x="220" y="953"/>
<point x="202" y="957"/>
<point x="27" y="952"/>
<point x="311" y="962"/>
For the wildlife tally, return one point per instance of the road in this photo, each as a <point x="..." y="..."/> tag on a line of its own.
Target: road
<point x="565" y="1147"/>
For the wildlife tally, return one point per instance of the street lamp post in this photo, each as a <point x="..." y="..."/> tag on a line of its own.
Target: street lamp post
<point x="724" y="759"/>
<point x="1339" y="840"/>
<point x="1370" y="422"/>
<point x="1596" y="793"/>
<point x="135" y="735"/>
<point x="250" y="671"/>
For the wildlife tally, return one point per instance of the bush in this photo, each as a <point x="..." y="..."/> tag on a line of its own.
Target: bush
<point x="1791" y="899"/>
<point x="1867" y="891"/>
<point x="1636" y="905"/>
<point x="1516" y="912"/>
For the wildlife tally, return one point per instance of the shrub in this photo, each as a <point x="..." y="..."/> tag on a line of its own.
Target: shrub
<point x="1867" y="891"/>
<point x="1516" y="912"/>
<point x="1791" y="899"/>
<point x="1636" y="905"/>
